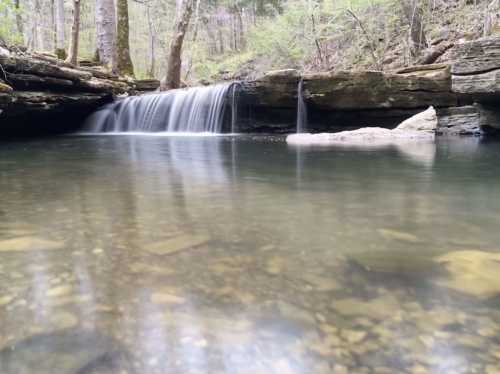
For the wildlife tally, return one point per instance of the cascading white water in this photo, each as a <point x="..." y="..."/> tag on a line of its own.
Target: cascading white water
<point x="197" y="109"/>
<point x="301" y="109"/>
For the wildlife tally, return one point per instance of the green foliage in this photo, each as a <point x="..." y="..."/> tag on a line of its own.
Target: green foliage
<point x="8" y="31"/>
<point x="290" y="38"/>
<point x="284" y="39"/>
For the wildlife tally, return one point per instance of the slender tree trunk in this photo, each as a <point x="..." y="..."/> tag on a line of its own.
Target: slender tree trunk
<point x="492" y="18"/>
<point x="60" y="35"/>
<point x="220" y="36"/>
<point x="416" y="37"/>
<point x="195" y="29"/>
<point x="235" y="32"/>
<point x="53" y="25"/>
<point x="19" y="21"/>
<point x="34" y="32"/>
<point x="241" y="33"/>
<point x="106" y="33"/>
<point x="174" y="63"/>
<point x="75" y="34"/>
<point x="152" y="40"/>
<point x="124" y="62"/>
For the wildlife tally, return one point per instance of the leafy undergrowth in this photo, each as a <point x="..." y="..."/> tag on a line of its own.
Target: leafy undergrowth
<point x="343" y="35"/>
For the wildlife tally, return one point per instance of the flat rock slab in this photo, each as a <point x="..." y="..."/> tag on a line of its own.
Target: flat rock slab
<point x="476" y="67"/>
<point x="369" y="136"/>
<point x="486" y="83"/>
<point x="478" y="56"/>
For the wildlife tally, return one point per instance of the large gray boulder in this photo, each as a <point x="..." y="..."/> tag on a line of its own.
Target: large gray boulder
<point x="424" y="121"/>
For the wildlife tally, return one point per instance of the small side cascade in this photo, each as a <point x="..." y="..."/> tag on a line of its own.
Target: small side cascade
<point x="301" y="109"/>
<point x="191" y="110"/>
<point x="234" y="105"/>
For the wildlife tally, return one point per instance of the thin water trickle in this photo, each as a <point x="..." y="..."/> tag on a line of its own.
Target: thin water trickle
<point x="197" y="109"/>
<point x="301" y="109"/>
<point x="234" y="106"/>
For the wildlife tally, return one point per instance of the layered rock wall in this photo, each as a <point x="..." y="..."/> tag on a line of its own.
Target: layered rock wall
<point x="39" y="92"/>
<point x="458" y="89"/>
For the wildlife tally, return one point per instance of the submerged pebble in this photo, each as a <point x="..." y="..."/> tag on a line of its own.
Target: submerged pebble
<point x="399" y="235"/>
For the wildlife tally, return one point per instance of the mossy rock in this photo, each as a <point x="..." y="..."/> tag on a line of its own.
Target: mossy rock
<point x="5" y="88"/>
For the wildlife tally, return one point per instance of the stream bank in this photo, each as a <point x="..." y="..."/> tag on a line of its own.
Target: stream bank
<point x="39" y="93"/>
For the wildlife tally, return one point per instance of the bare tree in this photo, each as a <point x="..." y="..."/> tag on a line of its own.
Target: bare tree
<point x="75" y="34"/>
<point x="106" y="33"/>
<point x="60" y="34"/>
<point x="413" y="12"/>
<point x="492" y="18"/>
<point x="174" y="62"/>
<point x="124" y="62"/>
<point x="371" y="43"/>
<point x="152" y="42"/>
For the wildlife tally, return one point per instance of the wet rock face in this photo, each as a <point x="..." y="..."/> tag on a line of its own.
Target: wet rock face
<point x="354" y="90"/>
<point x="371" y="90"/>
<point x="473" y="76"/>
<point x="468" y="120"/>
<point x="277" y="89"/>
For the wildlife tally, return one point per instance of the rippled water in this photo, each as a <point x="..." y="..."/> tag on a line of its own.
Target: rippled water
<point x="140" y="254"/>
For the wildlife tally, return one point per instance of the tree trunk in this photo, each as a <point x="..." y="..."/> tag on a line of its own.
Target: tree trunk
<point x="52" y="25"/>
<point x="152" y="67"/>
<point x="60" y="35"/>
<point x="173" y="77"/>
<point x="75" y="34"/>
<point x="241" y="33"/>
<point x="106" y="33"/>
<point x="416" y="35"/>
<point x="19" y="21"/>
<point x="492" y="18"/>
<point x="124" y="62"/>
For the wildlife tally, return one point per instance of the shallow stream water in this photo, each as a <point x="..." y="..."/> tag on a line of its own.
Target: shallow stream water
<point x="147" y="254"/>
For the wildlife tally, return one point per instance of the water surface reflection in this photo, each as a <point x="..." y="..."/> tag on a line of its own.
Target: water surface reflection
<point x="197" y="255"/>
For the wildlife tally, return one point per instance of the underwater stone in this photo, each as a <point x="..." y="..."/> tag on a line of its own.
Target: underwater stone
<point x="472" y="272"/>
<point x="378" y="308"/>
<point x="398" y="235"/>
<point x="29" y="243"/>
<point x="167" y="298"/>
<point x="65" y="352"/>
<point x="177" y="244"/>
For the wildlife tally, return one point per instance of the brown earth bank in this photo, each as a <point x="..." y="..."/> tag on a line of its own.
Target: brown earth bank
<point x="39" y="93"/>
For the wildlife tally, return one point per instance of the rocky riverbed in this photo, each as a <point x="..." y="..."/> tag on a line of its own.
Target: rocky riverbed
<point x="369" y="313"/>
<point x="209" y="254"/>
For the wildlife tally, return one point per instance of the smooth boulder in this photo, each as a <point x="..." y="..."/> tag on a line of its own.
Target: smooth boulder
<point x="420" y="127"/>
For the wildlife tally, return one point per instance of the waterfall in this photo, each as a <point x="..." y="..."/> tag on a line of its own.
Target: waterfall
<point x="301" y="109"/>
<point x="197" y="109"/>
<point x="234" y="106"/>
